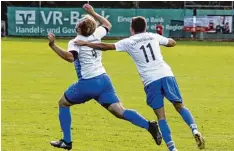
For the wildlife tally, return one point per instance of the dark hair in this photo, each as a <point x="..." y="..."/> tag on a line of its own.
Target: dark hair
<point x="86" y="27"/>
<point x="138" y="24"/>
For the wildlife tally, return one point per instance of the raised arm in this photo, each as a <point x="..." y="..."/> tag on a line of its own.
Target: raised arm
<point x="99" y="46"/>
<point x="68" y="56"/>
<point x="104" y="22"/>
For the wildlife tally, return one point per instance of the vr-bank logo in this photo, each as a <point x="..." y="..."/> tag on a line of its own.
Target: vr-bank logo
<point x="25" y="17"/>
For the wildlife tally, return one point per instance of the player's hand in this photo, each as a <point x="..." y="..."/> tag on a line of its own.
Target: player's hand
<point x="89" y="9"/>
<point x="51" y="38"/>
<point x="80" y="43"/>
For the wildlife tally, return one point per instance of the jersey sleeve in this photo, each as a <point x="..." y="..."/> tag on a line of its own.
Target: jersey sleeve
<point x="100" y="32"/>
<point x="72" y="46"/>
<point x="121" y="45"/>
<point x="162" y="40"/>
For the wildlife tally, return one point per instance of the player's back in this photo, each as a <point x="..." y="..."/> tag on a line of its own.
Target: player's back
<point x="89" y="61"/>
<point x="144" y="48"/>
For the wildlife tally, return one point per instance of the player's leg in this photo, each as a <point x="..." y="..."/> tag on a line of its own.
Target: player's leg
<point x="186" y="115"/>
<point x="65" y="123"/>
<point x="155" y="101"/>
<point x="127" y="114"/>
<point x="110" y="101"/>
<point x="135" y="118"/>
<point x="75" y="94"/>
<point x="65" y="118"/>
<point x="172" y="93"/>
<point x="189" y="120"/>
<point x="165" y="129"/>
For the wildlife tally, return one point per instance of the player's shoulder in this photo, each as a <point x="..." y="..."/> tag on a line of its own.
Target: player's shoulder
<point x="78" y="37"/>
<point x="100" y="32"/>
<point x="127" y="39"/>
<point x="142" y="35"/>
<point x="101" y="28"/>
<point x="157" y="36"/>
<point x="152" y="34"/>
<point x="72" y="41"/>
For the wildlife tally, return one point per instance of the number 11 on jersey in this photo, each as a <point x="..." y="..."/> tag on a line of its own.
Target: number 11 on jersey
<point x="145" y="54"/>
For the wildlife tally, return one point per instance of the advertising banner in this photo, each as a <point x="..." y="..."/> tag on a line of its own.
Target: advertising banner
<point x="28" y="21"/>
<point x="35" y="21"/>
<point x="209" y="24"/>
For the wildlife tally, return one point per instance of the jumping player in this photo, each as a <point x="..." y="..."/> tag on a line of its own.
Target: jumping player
<point x="93" y="82"/>
<point x="158" y="79"/>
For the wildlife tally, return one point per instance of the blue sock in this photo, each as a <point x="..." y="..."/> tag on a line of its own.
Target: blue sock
<point x="135" y="118"/>
<point x="65" y="123"/>
<point x="188" y="118"/>
<point x="166" y="134"/>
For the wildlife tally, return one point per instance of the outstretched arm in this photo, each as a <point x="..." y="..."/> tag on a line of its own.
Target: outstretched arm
<point x="99" y="46"/>
<point x="68" y="56"/>
<point x="167" y="42"/>
<point x="171" y="42"/>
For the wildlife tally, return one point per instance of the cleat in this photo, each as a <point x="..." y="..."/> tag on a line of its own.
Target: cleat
<point x="62" y="144"/>
<point x="154" y="131"/>
<point x="199" y="140"/>
<point x="175" y="149"/>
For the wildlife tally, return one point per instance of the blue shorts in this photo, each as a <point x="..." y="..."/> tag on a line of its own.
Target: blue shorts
<point x="156" y="91"/>
<point x="99" y="88"/>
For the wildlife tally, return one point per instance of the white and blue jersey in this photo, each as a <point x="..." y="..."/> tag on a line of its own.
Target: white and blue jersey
<point x="93" y="82"/>
<point x="144" y="48"/>
<point x="155" y="73"/>
<point x="89" y="61"/>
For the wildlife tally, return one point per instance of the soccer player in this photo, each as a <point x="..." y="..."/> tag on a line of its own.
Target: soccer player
<point x="93" y="82"/>
<point x="158" y="79"/>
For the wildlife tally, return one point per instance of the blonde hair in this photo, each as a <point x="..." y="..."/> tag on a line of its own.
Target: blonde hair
<point x="86" y="26"/>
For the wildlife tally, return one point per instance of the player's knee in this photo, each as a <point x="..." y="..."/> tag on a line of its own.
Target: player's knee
<point x="63" y="102"/>
<point x="178" y="106"/>
<point x="160" y="113"/>
<point x="116" y="113"/>
<point x="117" y="110"/>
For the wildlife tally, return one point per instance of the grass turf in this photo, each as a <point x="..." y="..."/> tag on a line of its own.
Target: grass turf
<point x="34" y="78"/>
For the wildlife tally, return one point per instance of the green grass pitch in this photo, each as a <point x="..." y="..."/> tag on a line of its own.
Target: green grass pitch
<point x="34" y="78"/>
